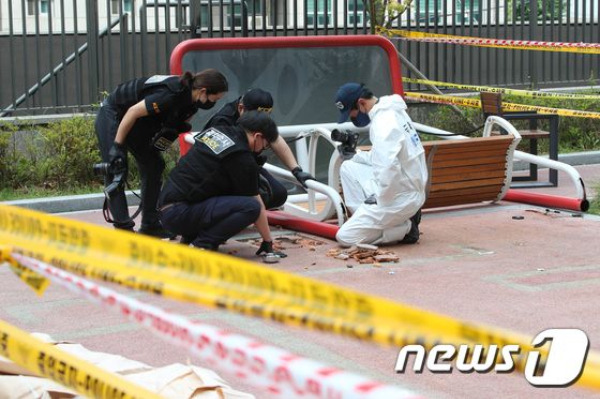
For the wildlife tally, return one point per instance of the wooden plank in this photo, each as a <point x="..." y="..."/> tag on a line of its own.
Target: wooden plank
<point x="473" y="175"/>
<point x="466" y="184"/>
<point x="500" y="147"/>
<point x="461" y="200"/>
<point x="443" y="156"/>
<point x="459" y="170"/>
<point x="469" y="143"/>
<point x="495" y="189"/>
<point x="470" y="161"/>
<point x="534" y="134"/>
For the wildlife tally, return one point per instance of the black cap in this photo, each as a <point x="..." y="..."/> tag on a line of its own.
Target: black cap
<point x="257" y="99"/>
<point x="346" y="97"/>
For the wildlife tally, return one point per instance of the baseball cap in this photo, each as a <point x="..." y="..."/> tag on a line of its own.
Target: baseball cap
<point x="257" y="99"/>
<point x="345" y="98"/>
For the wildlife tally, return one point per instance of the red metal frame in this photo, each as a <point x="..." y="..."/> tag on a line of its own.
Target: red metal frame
<point x="236" y="43"/>
<point x="291" y="42"/>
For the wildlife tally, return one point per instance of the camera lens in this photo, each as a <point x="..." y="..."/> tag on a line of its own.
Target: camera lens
<point x="101" y="169"/>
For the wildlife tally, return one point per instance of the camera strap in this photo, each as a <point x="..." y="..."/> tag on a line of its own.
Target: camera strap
<point x="106" y="210"/>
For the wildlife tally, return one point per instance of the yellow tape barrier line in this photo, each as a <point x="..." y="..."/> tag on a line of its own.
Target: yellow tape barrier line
<point x="516" y="92"/>
<point x="581" y="48"/>
<point x="234" y="284"/>
<point x="48" y="361"/>
<point x="475" y="103"/>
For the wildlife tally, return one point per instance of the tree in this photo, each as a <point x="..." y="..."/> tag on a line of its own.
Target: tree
<point x="385" y="12"/>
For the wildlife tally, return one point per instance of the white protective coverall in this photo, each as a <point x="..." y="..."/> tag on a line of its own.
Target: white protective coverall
<point x="394" y="171"/>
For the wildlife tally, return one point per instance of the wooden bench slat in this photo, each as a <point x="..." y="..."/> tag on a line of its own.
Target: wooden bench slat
<point x="465" y="191"/>
<point x="469" y="143"/>
<point x="501" y="158"/>
<point x="460" y="200"/>
<point x="471" y="175"/>
<point x="459" y="170"/>
<point x="534" y="134"/>
<point x="453" y="150"/>
<point x="444" y="156"/>
<point x="467" y="184"/>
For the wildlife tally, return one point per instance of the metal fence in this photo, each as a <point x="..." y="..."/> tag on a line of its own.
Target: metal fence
<point x="60" y="56"/>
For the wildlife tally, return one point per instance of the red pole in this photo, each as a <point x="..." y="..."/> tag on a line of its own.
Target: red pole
<point x="551" y="201"/>
<point x="321" y="229"/>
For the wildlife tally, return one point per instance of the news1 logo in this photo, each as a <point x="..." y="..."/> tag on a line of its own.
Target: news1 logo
<point x="562" y="367"/>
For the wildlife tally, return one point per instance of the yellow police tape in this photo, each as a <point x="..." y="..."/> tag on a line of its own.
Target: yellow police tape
<point x="234" y="284"/>
<point x="48" y="361"/>
<point x="522" y="93"/>
<point x="582" y="48"/>
<point x="475" y="103"/>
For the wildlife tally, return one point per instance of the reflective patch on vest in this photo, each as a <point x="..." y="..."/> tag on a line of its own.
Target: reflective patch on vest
<point x="215" y="140"/>
<point x="157" y="78"/>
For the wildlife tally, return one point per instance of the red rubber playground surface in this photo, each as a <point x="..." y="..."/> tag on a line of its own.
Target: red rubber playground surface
<point x="477" y="264"/>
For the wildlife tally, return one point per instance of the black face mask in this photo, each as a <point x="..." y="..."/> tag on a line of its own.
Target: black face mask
<point x="206" y="105"/>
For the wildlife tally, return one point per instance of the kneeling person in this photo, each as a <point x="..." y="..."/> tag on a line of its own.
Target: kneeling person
<point x="212" y="194"/>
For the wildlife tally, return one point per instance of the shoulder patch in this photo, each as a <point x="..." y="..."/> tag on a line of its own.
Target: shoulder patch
<point x="158" y="78"/>
<point x="214" y="139"/>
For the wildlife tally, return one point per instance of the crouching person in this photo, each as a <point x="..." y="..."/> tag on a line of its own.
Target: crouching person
<point x="385" y="187"/>
<point x="212" y="194"/>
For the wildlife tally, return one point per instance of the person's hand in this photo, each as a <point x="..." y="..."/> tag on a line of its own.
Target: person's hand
<point x="302" y="176"/>
<point x="117" y="158"/>
<point x="371" y="200"/>
<point x="164" y="138"/>
<point x="266" y="248"/>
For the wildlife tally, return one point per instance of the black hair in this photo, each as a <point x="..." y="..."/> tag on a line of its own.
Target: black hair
<point x="210" y="79"/>
<point x="256" y="121"/>
<point x="366" y="93"/>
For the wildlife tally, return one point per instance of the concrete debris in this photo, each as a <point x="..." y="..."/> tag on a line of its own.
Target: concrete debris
<point x="364" y="255"/>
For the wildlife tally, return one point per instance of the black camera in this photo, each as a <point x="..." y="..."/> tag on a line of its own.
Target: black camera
<point x="104" y="169"/>
<point x="101" y="169"/>
<point x="348" y="141"/>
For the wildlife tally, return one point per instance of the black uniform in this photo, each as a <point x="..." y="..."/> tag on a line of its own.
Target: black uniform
<point x="272" y="192"/>
<point x="210" y="195"/>
<point x="169" y="103"/>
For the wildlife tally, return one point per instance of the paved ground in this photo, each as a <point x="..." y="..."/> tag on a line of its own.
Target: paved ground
<point x="475" y="264"/>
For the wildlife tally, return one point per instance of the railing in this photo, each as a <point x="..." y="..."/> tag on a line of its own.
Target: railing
<point x="63" y="56"/>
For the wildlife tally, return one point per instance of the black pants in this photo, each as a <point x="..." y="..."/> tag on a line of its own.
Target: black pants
<point x="210" y="223"/>
<point x="276" y="195"/>
<point x="149" y="161"/>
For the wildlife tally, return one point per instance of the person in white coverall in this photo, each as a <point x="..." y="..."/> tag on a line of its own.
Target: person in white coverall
<point x="384" y="188"/>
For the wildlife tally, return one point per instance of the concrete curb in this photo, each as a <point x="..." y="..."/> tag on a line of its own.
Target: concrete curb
<point x="69" y="203"/>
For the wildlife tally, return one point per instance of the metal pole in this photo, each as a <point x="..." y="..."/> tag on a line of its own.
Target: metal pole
<point x="533" y="22"/>
<point x="93" y="46"/>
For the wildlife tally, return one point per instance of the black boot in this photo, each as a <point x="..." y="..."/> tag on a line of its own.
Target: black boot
<point x="156" y="230"/>
<point x="413" y="235"/>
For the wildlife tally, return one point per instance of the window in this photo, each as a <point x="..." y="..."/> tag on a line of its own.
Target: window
<point x="114" y="6"/>
<point x="356" y="12"/>
<point x="35" y="7"/>
<point x="324" y="17"/>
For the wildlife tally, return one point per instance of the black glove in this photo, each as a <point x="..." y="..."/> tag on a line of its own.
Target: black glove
<point x="267" y="248"/>
<point x="302" y="176"/>
<point x="164" y="138"/>
<point x="117" y="158"/>
<point x="371" y="200"/>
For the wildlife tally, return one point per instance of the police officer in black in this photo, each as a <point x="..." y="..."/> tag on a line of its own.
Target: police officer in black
<point x="273" y="193"/>
<point x="143" y="116"/>
<point x="212" y="193"/>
